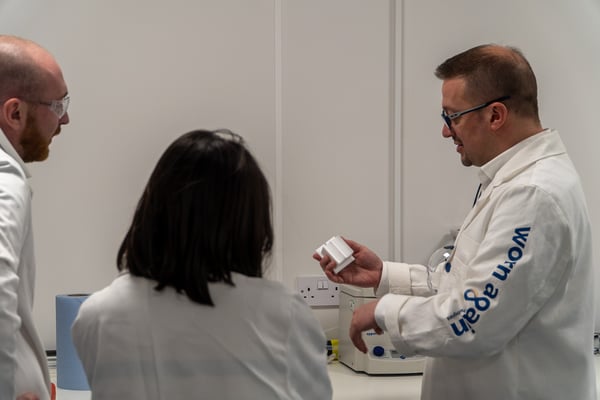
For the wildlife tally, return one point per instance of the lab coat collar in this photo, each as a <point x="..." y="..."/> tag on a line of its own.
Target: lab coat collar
<point x="10" y="150"/>
<point x="541" y="145"/>
<point x="504" y="167"/>
<point x="489" y="170"/>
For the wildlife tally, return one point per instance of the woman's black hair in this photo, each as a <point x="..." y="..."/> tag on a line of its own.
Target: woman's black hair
<point x="205" y="212"/>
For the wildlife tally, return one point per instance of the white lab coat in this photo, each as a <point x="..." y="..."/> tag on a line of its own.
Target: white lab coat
<point x="513" y="314"/>
<point x="23" y="366"/>
<point x="260" y="341"/>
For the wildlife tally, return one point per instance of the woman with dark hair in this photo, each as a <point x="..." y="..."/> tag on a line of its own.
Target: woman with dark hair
<point x="189" y="315"/>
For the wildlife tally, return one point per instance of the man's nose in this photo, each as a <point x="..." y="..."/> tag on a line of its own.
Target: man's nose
<point x="446" y="132"/>
<point x="65" y="119"/>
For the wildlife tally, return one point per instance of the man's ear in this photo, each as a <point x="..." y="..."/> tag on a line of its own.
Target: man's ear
<point x="14" y="113"/>
<point x="498" y="116"/>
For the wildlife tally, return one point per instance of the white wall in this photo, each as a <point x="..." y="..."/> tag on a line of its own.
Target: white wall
<point x="337" y="99"/>
<point x="336" y="130"/>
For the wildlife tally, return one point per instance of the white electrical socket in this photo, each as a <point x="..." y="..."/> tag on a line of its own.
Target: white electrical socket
<point x="317" y="290"/>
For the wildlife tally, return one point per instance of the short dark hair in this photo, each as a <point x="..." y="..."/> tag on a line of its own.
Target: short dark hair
<point x="205" y="213"/>
<point x="492" y="71"/>
<point x="20" y="75"/>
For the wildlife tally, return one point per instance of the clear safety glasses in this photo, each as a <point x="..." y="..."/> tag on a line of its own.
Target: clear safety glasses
<point x="449" y="117"/>
<point x="58" y="107"/>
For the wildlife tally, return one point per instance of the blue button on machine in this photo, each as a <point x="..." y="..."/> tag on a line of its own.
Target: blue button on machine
<point x="378" y="351"/>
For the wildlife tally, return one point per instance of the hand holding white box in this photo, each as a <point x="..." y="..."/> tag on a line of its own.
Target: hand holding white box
<point x="339" y="251"/>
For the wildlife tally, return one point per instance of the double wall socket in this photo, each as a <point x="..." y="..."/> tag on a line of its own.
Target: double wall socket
<point x="317" y="290"/>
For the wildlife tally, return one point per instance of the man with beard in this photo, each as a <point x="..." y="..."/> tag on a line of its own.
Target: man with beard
<point x="33" y="107"/>
<point x="509" y="315"/>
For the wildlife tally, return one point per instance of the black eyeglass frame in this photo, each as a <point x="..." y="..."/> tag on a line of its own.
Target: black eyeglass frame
<point x="449" y="117"/>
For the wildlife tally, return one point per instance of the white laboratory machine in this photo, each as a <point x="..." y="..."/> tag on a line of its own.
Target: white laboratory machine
<point x="381" y="357"/>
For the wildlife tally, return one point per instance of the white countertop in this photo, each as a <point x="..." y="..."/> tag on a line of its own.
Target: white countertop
<point x="347" y="385"/>
<point x="350" y="385"/>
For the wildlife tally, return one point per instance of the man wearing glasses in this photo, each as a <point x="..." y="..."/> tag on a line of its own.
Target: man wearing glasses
<point x="510" y="314"/>
<point x="33" y="107"/>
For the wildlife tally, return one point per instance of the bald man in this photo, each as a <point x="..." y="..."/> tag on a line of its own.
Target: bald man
<point x="509" y="315"/>
<point x="33" y="107"/>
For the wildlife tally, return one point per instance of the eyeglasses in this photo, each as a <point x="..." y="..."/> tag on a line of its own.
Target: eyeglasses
<point x="58" y="107"/>
<point x="448" y="118"/>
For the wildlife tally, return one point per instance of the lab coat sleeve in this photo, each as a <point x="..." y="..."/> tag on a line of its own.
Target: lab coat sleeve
<point x="308" y="377"/>
<point x="498" y="283"/>
<point x="13" y="210"/>
<point x="401" y="278"/>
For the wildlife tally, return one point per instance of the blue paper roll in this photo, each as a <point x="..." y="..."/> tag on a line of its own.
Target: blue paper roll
<point x="69" y="371"/>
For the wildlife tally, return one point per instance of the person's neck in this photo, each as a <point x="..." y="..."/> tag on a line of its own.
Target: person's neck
<point x="511" y="134"/>
<point x="520" y="130"/>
